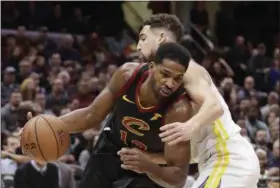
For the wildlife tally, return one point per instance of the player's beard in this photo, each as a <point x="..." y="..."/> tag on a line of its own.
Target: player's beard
<point x="146" y="59"/>
<point x="154" y="88"/>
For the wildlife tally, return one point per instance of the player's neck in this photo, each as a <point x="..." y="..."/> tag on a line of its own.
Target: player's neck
<point x="146" y="95"/>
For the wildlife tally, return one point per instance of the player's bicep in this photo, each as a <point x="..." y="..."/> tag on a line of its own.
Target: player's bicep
<point x="101" y="106"/>
<point x="198" y="86"/>
<point x="104" y="102"/>
<point x="181" y="111"/>
<point x="179" y="154"/>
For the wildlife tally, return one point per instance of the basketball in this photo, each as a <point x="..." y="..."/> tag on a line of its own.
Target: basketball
<point x="45" y="138"/>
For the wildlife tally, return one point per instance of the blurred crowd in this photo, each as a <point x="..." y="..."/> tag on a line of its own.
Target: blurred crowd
<point x="47" y="76"/>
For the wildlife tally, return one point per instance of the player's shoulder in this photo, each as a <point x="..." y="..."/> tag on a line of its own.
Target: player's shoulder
<point x="180" y="110"/>
<point x="182" y="104"/>
<point x="196" y="72"/>
<point x="122" y="76"/>
<point x="126" y="70"/>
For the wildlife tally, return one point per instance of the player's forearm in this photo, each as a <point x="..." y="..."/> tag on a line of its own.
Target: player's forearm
<point x="157" y="158"/>
<point x="167" y="176"/>
<point x="210" y="111"/>
<point x="80" y="120"/>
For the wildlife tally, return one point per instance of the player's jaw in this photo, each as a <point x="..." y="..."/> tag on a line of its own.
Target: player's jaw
<point x="165" y="91"/>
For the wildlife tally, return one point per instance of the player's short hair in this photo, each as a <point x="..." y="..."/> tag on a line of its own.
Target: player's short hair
<point x="167" y="21"/>
<point x="173" y="51"/>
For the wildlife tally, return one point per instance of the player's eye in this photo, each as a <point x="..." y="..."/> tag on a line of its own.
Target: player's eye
<point x="178" y="79"/>
<point x="164" y="74"/>
<point x="143" y="38"/>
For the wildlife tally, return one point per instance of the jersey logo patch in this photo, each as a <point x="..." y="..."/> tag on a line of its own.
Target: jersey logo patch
<point x="135" y="125"/>
<point x="156" y="116"/>
<point x="127" y="100"/>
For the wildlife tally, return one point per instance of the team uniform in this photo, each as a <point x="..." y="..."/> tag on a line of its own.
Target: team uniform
<point x="130" y="125"/>
<point x="225" y="159"/>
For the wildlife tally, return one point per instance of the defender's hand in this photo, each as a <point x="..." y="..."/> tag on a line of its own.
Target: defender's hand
<point x="135" y="160"/>
<point x="175" y="133"/>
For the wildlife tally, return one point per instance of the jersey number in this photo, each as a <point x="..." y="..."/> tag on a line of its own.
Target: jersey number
<point x="136" y="143"/>
<point x="134" y="126"/>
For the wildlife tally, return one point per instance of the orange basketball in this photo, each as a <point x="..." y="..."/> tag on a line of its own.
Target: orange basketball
<point x="45" y="138"/>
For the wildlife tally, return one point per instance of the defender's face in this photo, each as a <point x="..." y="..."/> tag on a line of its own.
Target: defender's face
<point x="148" y="43"/>
<point x="167" y="77"/>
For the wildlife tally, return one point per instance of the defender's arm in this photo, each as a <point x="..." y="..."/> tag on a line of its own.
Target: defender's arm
<point x="197" y="84"/>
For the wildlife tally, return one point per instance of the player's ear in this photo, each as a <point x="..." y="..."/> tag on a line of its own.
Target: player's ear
<point x="162" y="37"/>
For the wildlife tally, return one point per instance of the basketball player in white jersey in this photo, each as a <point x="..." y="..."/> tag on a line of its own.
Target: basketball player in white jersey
<point x="224" y="157"/>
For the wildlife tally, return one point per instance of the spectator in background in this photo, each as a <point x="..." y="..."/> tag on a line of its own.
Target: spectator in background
<point x="273" y="72"/>
<point x="58" y="98"/>
<point x="22" y="40"/>
<point x="8" y="113"/>
<point x="66" y="49"/>
<point x="275" y="159"/>
<point x="66" y="178"/>
<point x="45" y="44"/>
<point x="272" y="99"/>
<point x="25" y="68"/>
<point x="8" y="165"/>
<point x="259" y="61"/>
<point x="84" y="96"/>
<point x="229" y="92"/>
<point x="28" y="89"/>
<point x="237" y="57"/>
<point x="55" y="62"/>
<point x="34" y="175"/>
<point x="8" y="84"/>
<point x="220" y="70"/>
<point x="262" y="155"/>
<point x="262" y="139"/>
<point x="40" y="99"/>
<point x="242" y="108"/>
<point x="257" y="66"/>
<point x="253" y="123"/>
<point x="275" y="129"/>
<point x="248" y="88"/>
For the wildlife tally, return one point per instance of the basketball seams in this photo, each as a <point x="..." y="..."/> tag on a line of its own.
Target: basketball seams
<point x="37" y="139"/>
<point x="57" y="145"/>
<point x="44" y="151"/>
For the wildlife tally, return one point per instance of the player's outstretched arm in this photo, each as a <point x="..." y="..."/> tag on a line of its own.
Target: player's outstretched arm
<point x="197" y="84"/>
<point x="177" y="156"/>
<point x="91" y="116"/>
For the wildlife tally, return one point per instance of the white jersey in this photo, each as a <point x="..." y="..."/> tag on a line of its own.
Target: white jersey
<point x="209" y="137"/>
<point x="225" y="159"/>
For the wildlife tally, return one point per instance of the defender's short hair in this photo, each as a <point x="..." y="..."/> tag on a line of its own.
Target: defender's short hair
<point x="173" y="51"/>
<point x="167" y="21"/>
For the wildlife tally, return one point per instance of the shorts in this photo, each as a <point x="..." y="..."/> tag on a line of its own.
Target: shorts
<point x="238" y="168"/>
<point x="103" y="169"/>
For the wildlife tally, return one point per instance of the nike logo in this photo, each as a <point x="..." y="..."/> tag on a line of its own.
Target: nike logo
<point x="127" y="100"/>
<point x="156" y="117"/>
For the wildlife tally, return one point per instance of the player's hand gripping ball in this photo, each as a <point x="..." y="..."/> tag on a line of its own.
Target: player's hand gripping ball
<point x="45" y="138"/>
